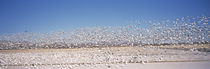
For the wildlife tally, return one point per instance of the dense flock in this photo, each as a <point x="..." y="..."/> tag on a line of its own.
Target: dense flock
<point x="178" y="31"/>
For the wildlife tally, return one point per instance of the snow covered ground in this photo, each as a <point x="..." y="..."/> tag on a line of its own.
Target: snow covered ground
<point x="106" y="57"/>
<point x="167" y="65"/>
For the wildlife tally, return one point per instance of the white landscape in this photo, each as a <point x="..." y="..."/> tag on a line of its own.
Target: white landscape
<point x="105" y="58"/>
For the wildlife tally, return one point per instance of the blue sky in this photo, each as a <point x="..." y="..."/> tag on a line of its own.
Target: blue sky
<point x="55" y="15"/>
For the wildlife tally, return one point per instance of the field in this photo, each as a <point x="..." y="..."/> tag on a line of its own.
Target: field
<point x="107" y="57"/>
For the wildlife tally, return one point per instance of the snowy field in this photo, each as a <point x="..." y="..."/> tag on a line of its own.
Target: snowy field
<point x="126" y="57"/>
<point x="167" y="65"/>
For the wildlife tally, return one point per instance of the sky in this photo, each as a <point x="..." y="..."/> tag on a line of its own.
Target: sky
<point x="54" y="15"/>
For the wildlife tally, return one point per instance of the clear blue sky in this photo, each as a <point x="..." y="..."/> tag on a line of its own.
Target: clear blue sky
<point x="53" y="15"/>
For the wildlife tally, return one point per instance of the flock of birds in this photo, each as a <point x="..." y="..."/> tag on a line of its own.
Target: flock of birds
<point x="182" y="30"/>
